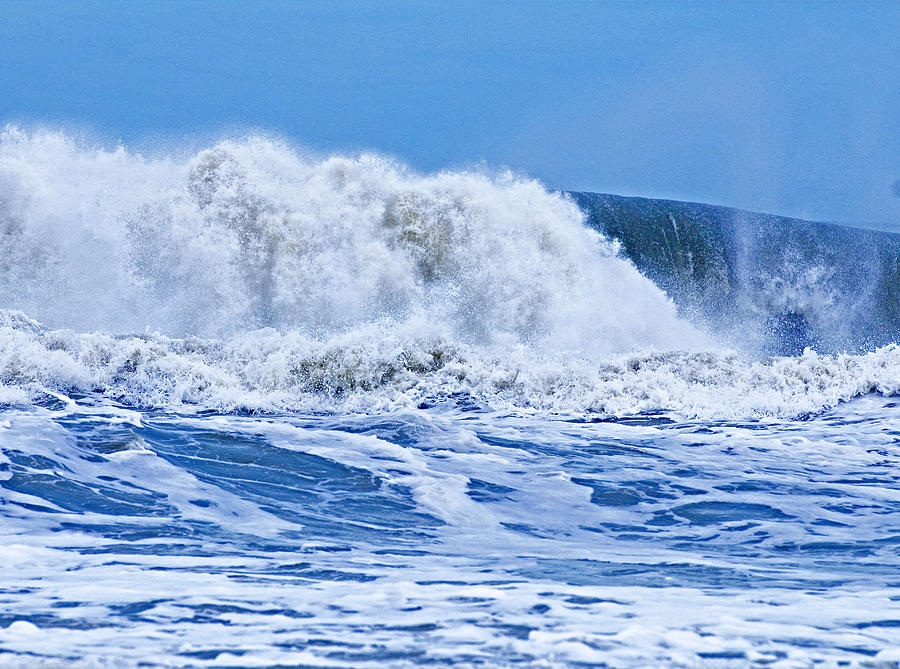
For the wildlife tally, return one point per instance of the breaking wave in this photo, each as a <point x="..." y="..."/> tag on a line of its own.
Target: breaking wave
<point x="248" y="276"/>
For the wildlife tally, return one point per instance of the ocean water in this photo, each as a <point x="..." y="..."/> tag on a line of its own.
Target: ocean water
<point x="263" y="409"/>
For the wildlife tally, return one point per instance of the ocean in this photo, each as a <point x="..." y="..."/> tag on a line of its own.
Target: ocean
<point x="265" y="409"/>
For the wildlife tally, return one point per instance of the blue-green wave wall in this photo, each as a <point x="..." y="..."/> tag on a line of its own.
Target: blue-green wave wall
<point x="781" y="283"/>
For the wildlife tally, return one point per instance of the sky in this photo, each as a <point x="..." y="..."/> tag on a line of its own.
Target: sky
<point x="789" y="108"/>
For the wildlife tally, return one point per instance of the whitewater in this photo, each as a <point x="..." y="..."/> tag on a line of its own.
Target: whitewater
<point x="265" y="408"/>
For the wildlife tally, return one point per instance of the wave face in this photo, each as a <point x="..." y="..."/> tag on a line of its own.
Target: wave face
<point x="781" y="282"/>
<point x="248" y="276"/>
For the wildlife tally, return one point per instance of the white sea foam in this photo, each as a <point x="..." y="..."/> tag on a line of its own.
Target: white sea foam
<point x="261" y="279"/>
<point x="377" y="367"/>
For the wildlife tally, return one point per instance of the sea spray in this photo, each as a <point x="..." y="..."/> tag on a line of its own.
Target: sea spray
<point x="249" y="234"/>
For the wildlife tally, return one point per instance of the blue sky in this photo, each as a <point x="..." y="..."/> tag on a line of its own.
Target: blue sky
<point x="792" y="108"/>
